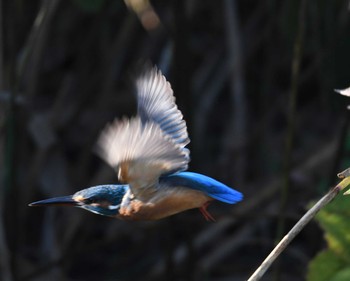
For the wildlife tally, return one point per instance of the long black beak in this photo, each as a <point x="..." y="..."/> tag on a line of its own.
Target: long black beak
<point x="56" y="201"/>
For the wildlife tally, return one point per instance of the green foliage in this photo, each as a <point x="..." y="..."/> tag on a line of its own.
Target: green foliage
<point x="343" y="275"/>
<point x="333" y="264"/>
<point x="325" y="266"/>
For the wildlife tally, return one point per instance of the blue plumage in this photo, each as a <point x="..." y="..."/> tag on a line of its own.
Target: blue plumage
<point x="149" y="154"/>
<point x="209" y="186"/>
<point x="112" y="193"/>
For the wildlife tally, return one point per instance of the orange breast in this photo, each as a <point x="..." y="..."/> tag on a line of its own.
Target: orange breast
<point x="164" y="203"/>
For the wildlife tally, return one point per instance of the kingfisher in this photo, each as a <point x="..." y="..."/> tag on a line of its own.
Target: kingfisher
<point x="149" y="155"/>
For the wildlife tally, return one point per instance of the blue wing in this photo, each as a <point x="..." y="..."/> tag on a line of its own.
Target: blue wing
<point x="209" y="186"/>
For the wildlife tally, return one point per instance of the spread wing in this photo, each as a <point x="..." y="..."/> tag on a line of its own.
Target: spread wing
<point x="156" y="103"/>
<point x="140" y="152"/>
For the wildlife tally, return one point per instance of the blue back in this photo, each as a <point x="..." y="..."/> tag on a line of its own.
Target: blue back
<point x="209" y="186"/>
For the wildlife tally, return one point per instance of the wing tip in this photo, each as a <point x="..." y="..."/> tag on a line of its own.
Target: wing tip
<point x="234" y="197"/>
<point x="146" y="69"/>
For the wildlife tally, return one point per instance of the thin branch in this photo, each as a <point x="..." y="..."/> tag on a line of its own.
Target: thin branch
<point x="282" y="245"/>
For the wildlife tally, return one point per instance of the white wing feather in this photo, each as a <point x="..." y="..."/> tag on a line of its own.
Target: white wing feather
<point x="140" y="152"/>
<point x="156" y="103"/>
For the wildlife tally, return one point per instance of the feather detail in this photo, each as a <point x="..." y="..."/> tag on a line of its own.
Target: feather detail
<point x="209" y="186"/>
<point x="156" y="103"/>
<point x="140" y="152"/>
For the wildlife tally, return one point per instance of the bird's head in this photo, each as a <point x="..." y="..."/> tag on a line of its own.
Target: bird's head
<point x="102" y="199"/>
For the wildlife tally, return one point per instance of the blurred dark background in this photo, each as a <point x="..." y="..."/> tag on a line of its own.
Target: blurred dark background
<point x="254" y="80"/>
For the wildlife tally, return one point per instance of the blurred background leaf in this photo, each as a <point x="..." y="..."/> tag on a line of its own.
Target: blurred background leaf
<point x="334" y="263"/>
<point x="325" y="266"/>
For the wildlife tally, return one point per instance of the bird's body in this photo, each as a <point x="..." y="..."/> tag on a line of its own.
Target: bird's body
<point x="167" y="201"/>
<point x="150" y="157"/>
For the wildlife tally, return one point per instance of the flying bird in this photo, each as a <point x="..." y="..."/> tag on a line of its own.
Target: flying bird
<point x="150" y="157"/>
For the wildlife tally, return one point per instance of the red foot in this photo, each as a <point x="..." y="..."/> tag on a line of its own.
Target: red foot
<point x="205" y="213"/>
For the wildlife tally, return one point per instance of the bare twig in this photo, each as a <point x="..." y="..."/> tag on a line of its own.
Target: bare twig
<point x="282" y="245"/>
<point x="344" y="174"/>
